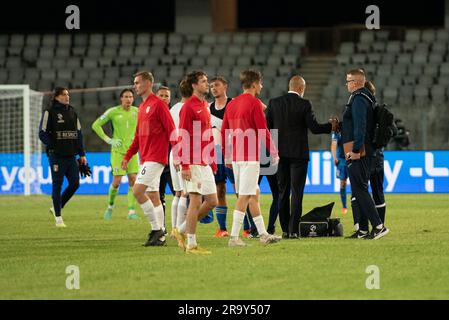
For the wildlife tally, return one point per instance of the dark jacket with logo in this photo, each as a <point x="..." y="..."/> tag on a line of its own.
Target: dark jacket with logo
<point x="358" y="121"/>
<point x="60" y="131"/>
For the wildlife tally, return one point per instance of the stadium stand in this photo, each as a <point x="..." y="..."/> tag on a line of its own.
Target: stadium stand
<point x="103" y="60"/>
<point x="409" y="71"/>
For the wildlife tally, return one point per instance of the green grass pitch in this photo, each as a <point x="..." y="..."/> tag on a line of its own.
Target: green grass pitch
<point x="413" y="259"/>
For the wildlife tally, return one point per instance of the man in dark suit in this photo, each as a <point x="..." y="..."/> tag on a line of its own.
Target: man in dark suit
<point x="292" y="116"/>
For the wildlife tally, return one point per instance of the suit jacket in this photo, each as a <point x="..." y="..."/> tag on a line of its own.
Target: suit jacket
<point x="292" y="115"/>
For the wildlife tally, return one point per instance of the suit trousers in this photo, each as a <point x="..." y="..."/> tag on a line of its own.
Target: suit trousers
<point x="292" y="174"/>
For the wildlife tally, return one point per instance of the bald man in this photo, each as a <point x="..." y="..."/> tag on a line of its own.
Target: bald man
<point x="292" y="116"/>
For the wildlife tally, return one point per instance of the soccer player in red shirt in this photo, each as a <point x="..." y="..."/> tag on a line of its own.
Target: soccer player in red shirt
<point x="243" y="127"/>
<point x="197" y="156"/>
<point x="154" y="129"/>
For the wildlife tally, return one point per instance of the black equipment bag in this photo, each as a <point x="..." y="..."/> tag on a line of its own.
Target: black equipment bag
<point x="317" y="223"/>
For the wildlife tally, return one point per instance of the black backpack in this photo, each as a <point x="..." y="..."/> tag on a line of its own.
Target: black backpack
<point x="384" y="125"/>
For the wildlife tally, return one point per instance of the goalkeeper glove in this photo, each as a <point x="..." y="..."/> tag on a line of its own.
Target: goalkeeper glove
<point x="84" y="169"/>
<point x="116" y="143"/>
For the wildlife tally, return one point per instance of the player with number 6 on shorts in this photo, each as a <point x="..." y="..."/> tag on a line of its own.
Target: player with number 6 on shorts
<point x="154" y="129"/>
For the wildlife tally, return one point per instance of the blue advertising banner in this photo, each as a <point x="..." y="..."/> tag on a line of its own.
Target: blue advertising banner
<point x="405" y="172"/>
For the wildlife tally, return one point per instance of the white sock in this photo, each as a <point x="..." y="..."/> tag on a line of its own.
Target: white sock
<point x="380" y="226"/>
<point x="237" y="221"/>
<point x="131" y="212"/>
<point x="182" y="227"/>
<point x="191" y="240"/>
<point x="110" y="207"/>
<point x="182" y="211"/>
<point x="260" y="225"/>
<point x="58" y="219"/>
<point x="159" y="213"/>
<point x="174" y="212"/>
<point x="356" y="227"/>
<point x="148" y="211"/>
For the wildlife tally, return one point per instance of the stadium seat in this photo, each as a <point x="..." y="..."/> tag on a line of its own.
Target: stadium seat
<point x="64" y="74"/>
<point x="48" y="74"/>
<point x="415" y="69"/>
<point x="17" y="40"/>
<point x="254" y="38"/>
<point x="438" y="93"/>
<point x="174" y="49"/>
<point x="239" y="38"/>
<point x="274" y="60"/>
<point x="283" y="37"/>
<point x="104" y="62"/>
<point x="4" y="40"/>
<point x="278" y="49"/>
<point x="390" y="95"/>
<point x="412" y="35"/>
<point x="298" y="38"/>
<point x="382" y="35"/>
<point x="32" y="41"/>
<point x="444" y="69"/>
<point x="234" y="50"/>
<point x="159" y="39"/>
<point x="249" y="50"/>
<point x="204" y="50"/>
<point x="64" y="40"/>
<point x="379" y="47"/>
<point x="347" y="48"/>
<point x="431" y="69"/>
<point x="79" y="51"/>
<point x="43" y="63"/>
<point x="90" y="63"/>
<point x="366" y="36"/>
<point x="244" y="61"/>
<point x="142" y="51"/>
<point x="175" y="39"/>
<point x="393" y="47"/>
<point x="442" y="35"/>
<point x="143" y="39"/>
<point x="128" y="40"/>
<point x="80" y="40"/>
<point x="199" y="62"/>
<point x="63" y="52"/>
<point x="228" y="61"/>
<point x="189" y="49"/>
<point x="435" y="58"/>
<point x="224" y="38"/>
<point x="268" y="37"/>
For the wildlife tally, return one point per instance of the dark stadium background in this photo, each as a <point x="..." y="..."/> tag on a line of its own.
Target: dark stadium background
<point x="47" y="16"/>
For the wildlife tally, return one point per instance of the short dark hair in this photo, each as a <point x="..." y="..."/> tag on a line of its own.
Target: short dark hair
<point x="185" y="89"/>
<point x="219" y="78"/>
<point x="126" y="90"/>
<point x="356" y="72"/>
<point x="58" y="91"/>
<point x="249" y="77"/>
<point x="163" y="88"/>
<point x="193" y="77"/>
<point x="145" y="75"/>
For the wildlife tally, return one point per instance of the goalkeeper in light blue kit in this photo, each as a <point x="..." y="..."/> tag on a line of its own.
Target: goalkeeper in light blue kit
<point x="124" y="121"/>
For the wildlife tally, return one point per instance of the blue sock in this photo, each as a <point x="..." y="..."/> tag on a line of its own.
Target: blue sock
<point x="343" y="196"/>
<point x="221" y="213"/>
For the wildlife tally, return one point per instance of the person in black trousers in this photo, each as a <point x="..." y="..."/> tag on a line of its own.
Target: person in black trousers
<point x="60" y="131"/>
<point x="292" y="116"/>
<point x="357" y="137"/>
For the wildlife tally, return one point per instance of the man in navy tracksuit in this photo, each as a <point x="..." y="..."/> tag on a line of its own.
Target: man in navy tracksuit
<point x="60" y="131"/>
<point x="358" y="128"/>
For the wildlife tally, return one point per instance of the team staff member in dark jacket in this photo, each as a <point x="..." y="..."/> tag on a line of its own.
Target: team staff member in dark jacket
<point x="60" y="131"/>
<point x="292" y="116"/>
<point x="358" y="128"/>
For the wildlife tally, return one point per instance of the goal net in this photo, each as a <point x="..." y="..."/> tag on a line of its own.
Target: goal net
<point x="20" y="148"/>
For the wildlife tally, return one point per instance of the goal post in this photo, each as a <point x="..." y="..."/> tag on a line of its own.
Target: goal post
<point x="20" y="148"/>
